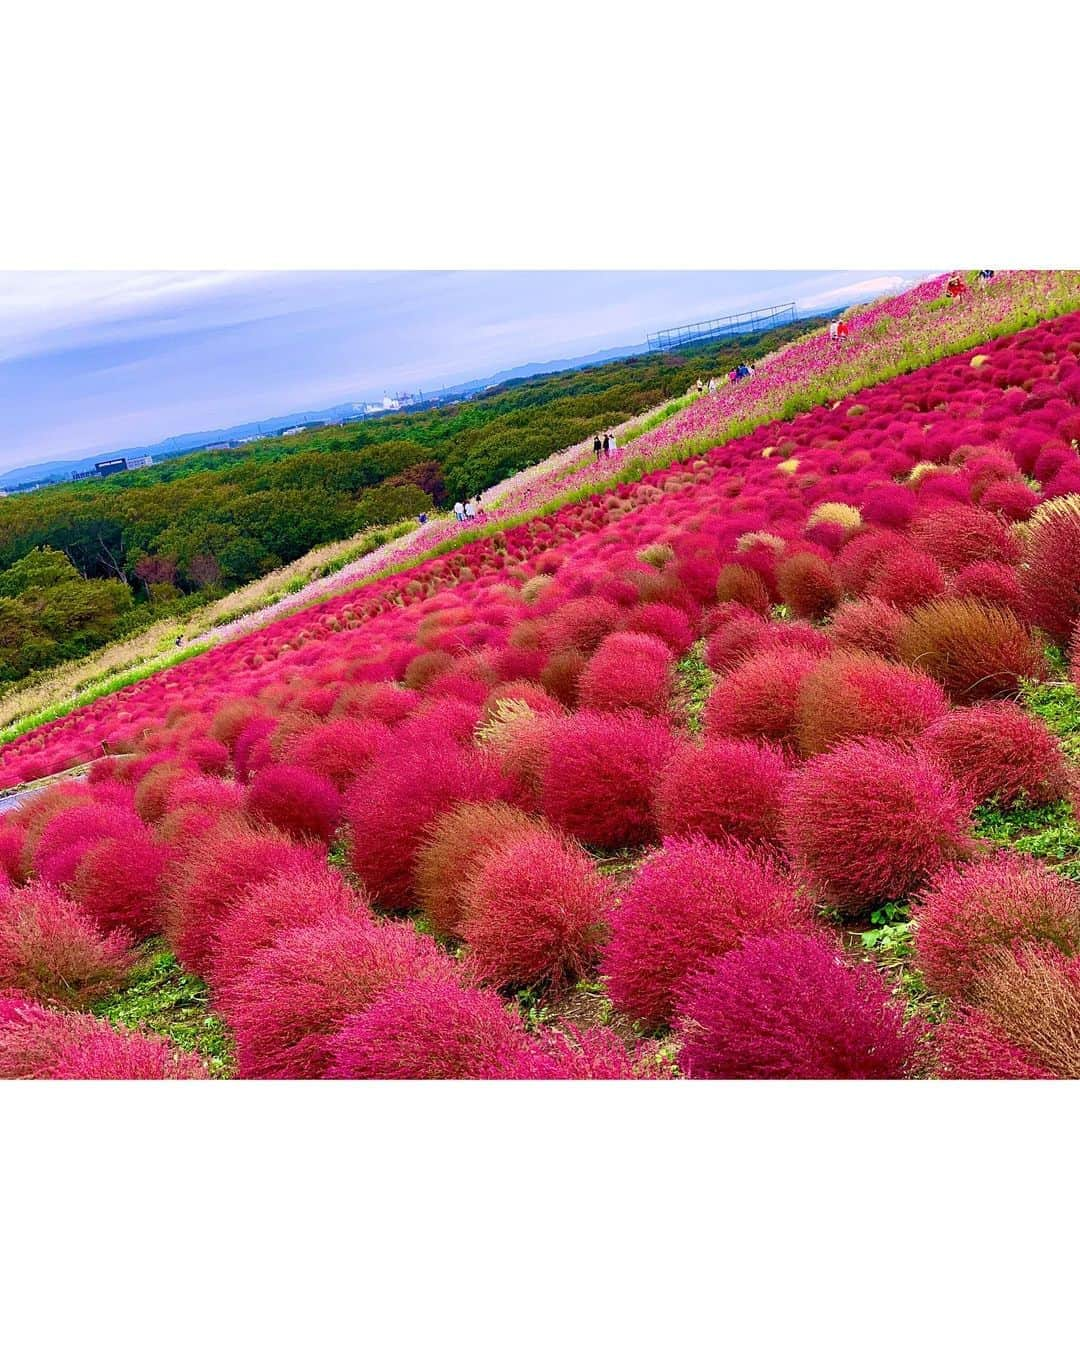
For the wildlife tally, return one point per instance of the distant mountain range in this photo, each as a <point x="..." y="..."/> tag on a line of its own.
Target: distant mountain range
<point x="60" y="470"/>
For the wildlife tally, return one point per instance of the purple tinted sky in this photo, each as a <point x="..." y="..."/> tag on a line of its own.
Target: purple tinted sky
<point x="106" y="360"/>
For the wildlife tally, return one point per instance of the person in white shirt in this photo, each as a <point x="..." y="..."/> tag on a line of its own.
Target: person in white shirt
<point x="612" y="445"/>
<point x="712" y="384"/>
<point x="834" y="330"/>
<point x="470" y="510"/>
<point x="459" y="512"/>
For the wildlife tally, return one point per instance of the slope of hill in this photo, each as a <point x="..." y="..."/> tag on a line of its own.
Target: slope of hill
<point x="751" y="764"/>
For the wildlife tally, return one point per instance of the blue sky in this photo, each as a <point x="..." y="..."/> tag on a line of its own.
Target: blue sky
<point x="97" y="361"/>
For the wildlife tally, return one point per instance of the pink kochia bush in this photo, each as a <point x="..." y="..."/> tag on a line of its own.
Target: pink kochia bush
<point x="51" y="949"/>
<point x="120" y="882"/>
<point x="688" y="903"/>
<point x="600" y="773"/>
<point x="631" y="671"/>
<point x="869" y="821"/>
<point x="760" y="699"/>
<point x="725" y="790"/>
<point x="433" y="1031"/>
<point x="535" y="910"/>
<point x="970" y="911"/>
<point x="295" y="800"/>
<point x="295" y="896"/>
<point x="294" y="996"/>
<point x="789" y="1006"/>
<point x="40" y="1044"/>
<point x="853" y="694"/>
<point x="998" y="750"/>
<point x="390" y="807"/>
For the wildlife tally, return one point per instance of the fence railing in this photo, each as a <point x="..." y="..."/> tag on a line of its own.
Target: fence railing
<point x="731" y="325"/>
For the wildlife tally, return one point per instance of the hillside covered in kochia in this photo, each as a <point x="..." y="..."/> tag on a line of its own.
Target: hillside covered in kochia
<point x="159" y="541"/>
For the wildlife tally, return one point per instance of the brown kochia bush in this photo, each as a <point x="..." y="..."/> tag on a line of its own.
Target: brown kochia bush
<point x="807" y="585"/>
<point x="743" y="585"/>
<point x="1033" y="998"/>
<point x="974" y="649"/>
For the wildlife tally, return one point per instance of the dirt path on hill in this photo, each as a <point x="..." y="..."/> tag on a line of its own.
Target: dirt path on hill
<point x="512" y="496"/>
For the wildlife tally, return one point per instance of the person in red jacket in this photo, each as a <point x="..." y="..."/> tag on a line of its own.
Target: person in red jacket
<point x="955" y="287"/>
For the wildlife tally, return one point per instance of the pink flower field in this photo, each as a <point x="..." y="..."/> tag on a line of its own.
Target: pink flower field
<point x="715" y="772"/>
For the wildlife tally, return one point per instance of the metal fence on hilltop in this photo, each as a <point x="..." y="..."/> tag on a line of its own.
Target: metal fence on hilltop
<point x="731" y="325"/>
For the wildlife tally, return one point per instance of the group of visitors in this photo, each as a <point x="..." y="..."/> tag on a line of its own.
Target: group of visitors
<point x="838" y="329"/>
<point x="467" y="511"/>
<point x="739" y="372"/>
<point x="604" y="448"/>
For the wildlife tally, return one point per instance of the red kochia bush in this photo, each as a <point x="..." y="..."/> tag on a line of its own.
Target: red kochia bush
<point x="807" y="585"/>
<point x="907" y="578"/>
<point x="853" y="694"/>
<point x="726" y="790"/>
<point x="340" y="749"/>
<point x="455" y="845"/>
<point x="688" y="903"/>
<point x="996" y="749"/>
<point x="38" y="1044"/>
<point x="973" y="648"/>
<point x="869" y="821"/>
<point x="219" y="866"/>
<point x="389" y="808"/>
<point x="424" y="1031"/>
<point x="986" y="906"/>
<point x="759" y="699"/>
<point x="959" y="535"/>
<point x="534" y="910"/>
<point x="582" y="624"/>
<point x="600" y="773"/>
<point x="1051" y="571"/>
<point x="993" y="582"/>
<point x="629" y="672"/>
<point x="968" y="1046"/>
<point x="294" y="996"/>
<point x="120" y="882"/>
<point x="295" y="800"/>
<point x="665" y="621"/>
<point x="295" y="897"/>
<point x="868" y="625"/>
<point x="54" y="951"/>
<point x="743" y="585"/>
<point x="731" y="643"/>
<point x="69" y="834"/>
<point x="787" y="1007"/>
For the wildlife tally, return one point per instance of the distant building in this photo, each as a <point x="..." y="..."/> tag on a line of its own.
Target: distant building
<point x="140" y="461"/>
<point x="107" y="467"/>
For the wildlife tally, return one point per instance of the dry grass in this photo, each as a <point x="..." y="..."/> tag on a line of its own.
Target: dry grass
<point x="1037" y="1004"/>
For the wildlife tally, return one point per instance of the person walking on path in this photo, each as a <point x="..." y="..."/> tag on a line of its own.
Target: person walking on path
<point x="597" y="447"/>
<point x="607" y="445"/>
<point x="834" y="331"/>
<point x="612" y="446"/>
<point x="470" y="510"/>
<point x="459" y="512"/>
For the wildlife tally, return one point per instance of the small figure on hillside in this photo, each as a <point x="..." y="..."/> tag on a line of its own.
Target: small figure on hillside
<point x="955" y="288"/>
<point x="712" y="384"/>
<point x="179" y="639"/>
<point x="842" y="329"/>
<point x="612" y="446"/>
<point x="700" y="386"/>
<point x="607" y="445"/>
<point x="459" y="512"/>
<point x="985" y="276"/>
<point x="597" y="447"/>
<point x="834" y="331"/>
<point x="470" y="510"/>
<point x="422" y="517"/>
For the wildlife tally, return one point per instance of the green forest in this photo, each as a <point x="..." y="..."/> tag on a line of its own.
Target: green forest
<point x="83" y="563"/>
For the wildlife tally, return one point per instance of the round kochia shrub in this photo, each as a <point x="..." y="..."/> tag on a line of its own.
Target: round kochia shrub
<point x="787" y="1007"/>
<point x="958" y="535"/>
<point x="218" y="868"/>
<point x="907" y="578"/>
<point x="996" y="750"/>
<point x="339" y="750"/>
<point x="807" y="585"/>
<point x="869" y="821"/>
<point x="974" y="649"/>
<point x="455" y="846"/>
<point x="726" y="790"/>
<point x="120" y="882"/>
<point x="51" y="949"/>
<point x="1051" y="570"/>
<point x="968" y="1046"/>
<point x="688" y="903"/>
<point x="868" y="625"/>
<point x="295" y="800"/>
<point x="535" y="910"/>
<point x="425" y="1031"/>
<point x="389" y="808"/>
<point x="759" y="699"/>
<point x="852" y="694"/>
<point x="600" y="773"/>
<point x="39" y="1044"/>
<point x="296" y="896"/>
<point x="743" y="585"/>
<point x="630" y="671"/>
<point x="967" y="912"/>
<point x="294" y="996"/>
